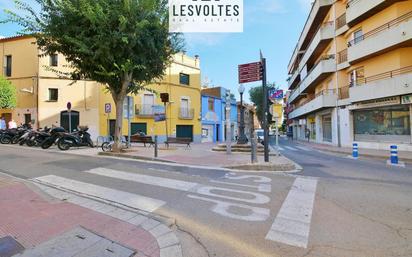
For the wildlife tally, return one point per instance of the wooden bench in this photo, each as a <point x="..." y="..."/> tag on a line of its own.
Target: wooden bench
<point x="142" y="139"/>
<point x="178" y="140"/>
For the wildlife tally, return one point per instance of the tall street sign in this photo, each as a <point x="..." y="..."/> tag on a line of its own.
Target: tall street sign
<point x="250" y="72"/>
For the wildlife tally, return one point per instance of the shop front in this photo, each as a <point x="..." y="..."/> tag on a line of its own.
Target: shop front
<point x="385" y="120"/>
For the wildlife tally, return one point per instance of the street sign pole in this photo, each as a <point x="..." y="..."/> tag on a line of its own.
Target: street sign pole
<point x="265" y="110"/>
<point x="129" y="123"/>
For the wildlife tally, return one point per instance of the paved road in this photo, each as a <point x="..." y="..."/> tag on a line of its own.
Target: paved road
<point x="336" y="207"/>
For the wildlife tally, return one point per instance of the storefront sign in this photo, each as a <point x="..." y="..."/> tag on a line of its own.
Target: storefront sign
<point x="407" y="99"/>
<point x="377" y="103"/>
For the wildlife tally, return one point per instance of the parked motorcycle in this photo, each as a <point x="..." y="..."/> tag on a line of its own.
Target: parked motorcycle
<point x="76" y="139"/>
<point x="11" y="136"/>
<point x="55" y="135"/>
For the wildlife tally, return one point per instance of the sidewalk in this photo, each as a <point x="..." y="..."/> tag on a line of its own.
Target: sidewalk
<point x="200" y="155"/>
<point x="33" y="218"/>
<point x="363" y="152"/>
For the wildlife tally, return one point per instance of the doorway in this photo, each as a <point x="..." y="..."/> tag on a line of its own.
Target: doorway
<point x="184" y="131"/>
<point x="69" y="120"/>
<point x="327" y="128"/>
<point x="136" y="127"/>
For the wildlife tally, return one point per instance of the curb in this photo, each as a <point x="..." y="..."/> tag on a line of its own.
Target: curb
<point x="161" y="161"/>
<point x="168" y="242"/>
<point x="372" y="156"/>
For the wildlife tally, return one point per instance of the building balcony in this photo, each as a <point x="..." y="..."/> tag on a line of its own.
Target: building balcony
<point x="324" y="99"/>
<point x="318" y="44"/>
<point x="322" y="69"/>
<point x="144" y="110"/>
<point x="186" y="113"/>
<point x="360" y="10"/>
<point x="341" y="25"/>
<point x="394" y="34"/>
<point x="342" y="60"/>
<point x="320" y="9"/>
<point x="391" y="83"/>
<point x="294" y="79"/>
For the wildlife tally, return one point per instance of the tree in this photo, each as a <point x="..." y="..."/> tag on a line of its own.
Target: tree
<point x="8" y="96"/>
<point x="256" y="96"/>
<point x="123" y="44"/>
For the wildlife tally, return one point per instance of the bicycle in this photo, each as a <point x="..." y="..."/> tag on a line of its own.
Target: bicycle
<point x="108" y="146"/>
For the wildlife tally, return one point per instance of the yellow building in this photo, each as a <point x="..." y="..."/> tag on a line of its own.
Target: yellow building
<point x="350" y="74"/>
<point x="43" y="97"/>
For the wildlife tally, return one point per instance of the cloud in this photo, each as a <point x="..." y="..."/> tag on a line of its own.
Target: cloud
<point x="205" y="39"/>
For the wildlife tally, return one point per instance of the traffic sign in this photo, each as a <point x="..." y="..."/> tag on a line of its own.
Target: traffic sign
<point x="275" y="94"/>
<point x="250" y="72"/>
<point x="108" y="108"/>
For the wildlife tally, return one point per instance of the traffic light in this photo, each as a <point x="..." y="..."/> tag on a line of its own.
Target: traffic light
<point x="164" y="97"/>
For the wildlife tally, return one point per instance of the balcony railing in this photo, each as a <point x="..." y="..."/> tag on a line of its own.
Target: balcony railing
<point x="144" y="110"/>
<point x="341" y="21"/>
<point x="343" y="56"/>
<point x="343" y="92"/>
<point x="326" y="92"/>
<point x="322" y="58"/>
<point x="186" y="113"/>
<point x="384" y="75"/>
<point x="379" y="29"/>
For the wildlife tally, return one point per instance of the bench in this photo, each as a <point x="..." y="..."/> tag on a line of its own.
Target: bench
<point x="142" y="139"/>
<point x="178" y="140"/>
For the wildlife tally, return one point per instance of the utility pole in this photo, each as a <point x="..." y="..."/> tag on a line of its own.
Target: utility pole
<point x="228" y="125"/>
<point x="265" y="108"/>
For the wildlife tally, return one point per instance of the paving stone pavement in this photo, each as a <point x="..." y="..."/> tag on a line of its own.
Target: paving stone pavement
<point x="32" y="219"/>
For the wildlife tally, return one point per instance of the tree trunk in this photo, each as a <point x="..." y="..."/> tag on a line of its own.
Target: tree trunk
<point x="119" y="100"/>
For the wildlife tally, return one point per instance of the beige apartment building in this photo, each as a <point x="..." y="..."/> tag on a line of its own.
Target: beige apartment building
<point x="351" y="74"/>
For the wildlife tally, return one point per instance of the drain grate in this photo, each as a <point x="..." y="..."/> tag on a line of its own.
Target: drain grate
<point x="9" y="247"/>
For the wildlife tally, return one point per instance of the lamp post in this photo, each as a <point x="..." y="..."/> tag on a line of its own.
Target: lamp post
<point x="242" y="139"/>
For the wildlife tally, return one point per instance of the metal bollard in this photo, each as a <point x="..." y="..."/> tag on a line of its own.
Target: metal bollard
<point x="355" y="151"/>
<point x="155" y="148"/>
<point x="394" y="154"/>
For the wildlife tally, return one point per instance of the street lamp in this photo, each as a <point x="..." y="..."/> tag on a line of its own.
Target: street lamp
<point x="242" y="137"/>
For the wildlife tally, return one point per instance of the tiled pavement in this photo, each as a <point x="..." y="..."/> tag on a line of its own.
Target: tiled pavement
<point x="33" y="219"/>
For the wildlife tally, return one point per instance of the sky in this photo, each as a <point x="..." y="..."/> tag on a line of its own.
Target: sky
<point x="272" y="26"/>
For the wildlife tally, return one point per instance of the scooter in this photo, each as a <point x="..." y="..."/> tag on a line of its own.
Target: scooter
<point x="55" y="135"/>
<point x="77" y="139"/>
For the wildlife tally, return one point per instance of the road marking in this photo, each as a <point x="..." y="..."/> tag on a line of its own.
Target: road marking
<point x="226" y="209"/>
<point x="248" y="197"/>
<point x="291" y="148"/>
<point x="144" y="179"/>
<point x="302" y="148"/>
<point x="256" y="178"/>
<point x="267" y="188"/>
<point x="281" y="148"/>
<point x="292" y="224"/>
<point x="125" y="198"/>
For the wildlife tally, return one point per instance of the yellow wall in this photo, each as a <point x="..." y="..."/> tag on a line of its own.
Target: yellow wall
<point x="23" y="77"/>
<point x="170" y="84"/>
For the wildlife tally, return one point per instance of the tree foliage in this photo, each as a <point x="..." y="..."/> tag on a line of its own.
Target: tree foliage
<point x="256" y="96"/>
<point x="8" y="97"/>
<point x="123" y="44"/>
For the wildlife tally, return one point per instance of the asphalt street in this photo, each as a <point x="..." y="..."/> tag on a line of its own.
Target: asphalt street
<point x="335" y="207"/>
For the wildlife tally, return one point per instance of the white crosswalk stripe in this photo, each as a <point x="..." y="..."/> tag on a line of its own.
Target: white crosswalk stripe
<point x="302" y="148"/>
<point x="281" y="148"/>
<point x="290" y="148"/>
<point x="292" y="224"/>
<point x="131" y="200"/>
<point x="144" y="179"/>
